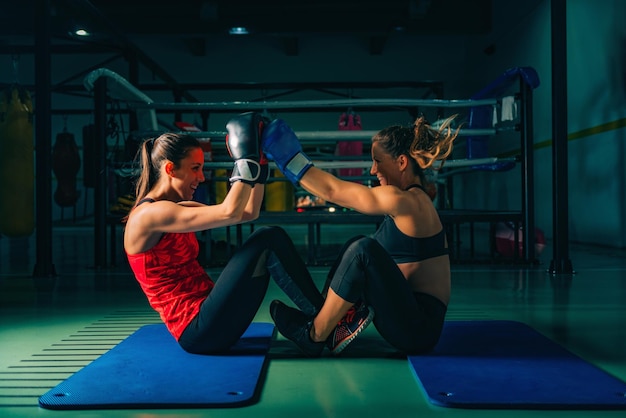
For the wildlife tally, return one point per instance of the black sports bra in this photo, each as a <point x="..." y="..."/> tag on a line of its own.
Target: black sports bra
<point x="144" y="200"/>
<point x="406" y="249"/>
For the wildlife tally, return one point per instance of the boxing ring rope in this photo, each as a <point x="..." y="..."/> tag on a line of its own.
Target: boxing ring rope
<point x="237" y="106"/>
<point x="119" y="89"/>
<point x="367" y="164"/>
<point x="328" y="137"/>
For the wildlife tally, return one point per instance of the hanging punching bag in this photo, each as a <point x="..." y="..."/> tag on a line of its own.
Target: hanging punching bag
<point x="350" y="121"/>
<point x="65" y="165"/>
<point x="17" y="171"/>
<point x="90" y="168"/>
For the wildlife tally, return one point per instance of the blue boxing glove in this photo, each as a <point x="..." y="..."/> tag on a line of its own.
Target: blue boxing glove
<point x="243" y="142"/>
<point x="281" y="144"/>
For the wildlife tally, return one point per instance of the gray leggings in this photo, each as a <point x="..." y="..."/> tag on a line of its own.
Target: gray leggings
<point x="409" y="321"/>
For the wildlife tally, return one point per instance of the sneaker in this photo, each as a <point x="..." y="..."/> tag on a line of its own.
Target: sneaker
<point x="296" y="326"/>
<point x="358" y="317"/>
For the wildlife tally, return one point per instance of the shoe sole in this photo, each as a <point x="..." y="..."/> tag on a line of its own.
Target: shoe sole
<point x="342" y="345"/>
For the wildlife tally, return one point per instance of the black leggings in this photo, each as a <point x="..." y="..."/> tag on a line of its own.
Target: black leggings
<point x="409" y="321"/>
<point x="231" y="306"/>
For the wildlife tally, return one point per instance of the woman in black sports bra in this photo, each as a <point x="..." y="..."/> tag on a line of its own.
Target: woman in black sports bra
<point x="399" y="278"/>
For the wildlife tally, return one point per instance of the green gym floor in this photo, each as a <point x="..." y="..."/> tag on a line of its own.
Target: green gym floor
<point x="43" y="320"/>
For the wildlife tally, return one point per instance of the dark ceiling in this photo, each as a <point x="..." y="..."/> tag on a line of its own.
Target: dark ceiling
<point x="114" y="22"/>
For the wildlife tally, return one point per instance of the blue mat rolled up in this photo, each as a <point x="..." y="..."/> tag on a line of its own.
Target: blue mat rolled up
<point x="150" y="370"/>
<point x="509" y="365"/>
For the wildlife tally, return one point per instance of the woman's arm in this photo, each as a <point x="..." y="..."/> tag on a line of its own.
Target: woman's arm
<point x="168" y="216"/>
<point x="147" y="222"/>
<point x="253" y="208"/>
<point x="379" y="200"/>
<point x="281" y="144"/>
<point x="191" y="203"/>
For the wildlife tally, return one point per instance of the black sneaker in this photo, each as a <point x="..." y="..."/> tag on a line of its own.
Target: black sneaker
<point x="352" y="324"/>
<point x="295" y="326"/>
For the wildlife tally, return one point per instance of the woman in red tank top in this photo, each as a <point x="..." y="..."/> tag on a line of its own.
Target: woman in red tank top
<point x="207" y="316"/>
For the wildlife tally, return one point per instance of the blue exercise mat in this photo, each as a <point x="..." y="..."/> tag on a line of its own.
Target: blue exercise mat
<point x="150" y="370"/>
<point x="509" y="365"/>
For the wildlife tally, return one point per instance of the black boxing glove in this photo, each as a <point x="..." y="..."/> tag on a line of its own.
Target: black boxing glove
<point x="243" y="142"/>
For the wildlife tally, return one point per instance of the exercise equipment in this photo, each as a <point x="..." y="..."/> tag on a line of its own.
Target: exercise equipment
<point x="509" y="365"/>
<point x="90" y="168"/>
<point x="485" y="116"/>
<point x="150" y="370"/>
<point x="505" y="239"/>
<point x="17" y="166"/>
<point x="317" y="139"/>
<point x="65" y="165"/>
<point x="349" y="121"/>
<point x="281" y="144"/>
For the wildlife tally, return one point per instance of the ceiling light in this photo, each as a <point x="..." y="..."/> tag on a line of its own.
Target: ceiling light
<point x="238" y="30"/>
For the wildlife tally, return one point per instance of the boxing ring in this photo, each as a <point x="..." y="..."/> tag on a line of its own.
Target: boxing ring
<point x="505" y="105"/>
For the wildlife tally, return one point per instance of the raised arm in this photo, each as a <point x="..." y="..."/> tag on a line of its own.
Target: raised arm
<point x="281" y="144"/>
<point x="379" y="200"/>
<point x="243" y="142"/>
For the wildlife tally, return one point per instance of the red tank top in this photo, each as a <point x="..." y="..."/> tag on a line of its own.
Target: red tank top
<point x="172" y="279"/>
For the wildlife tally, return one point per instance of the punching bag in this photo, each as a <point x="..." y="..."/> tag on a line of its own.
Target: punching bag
<point x="65" y="165"/>
<point x="350" y="121"/>
<point x="90" y="168"/>
<point x="17" y="163"/>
